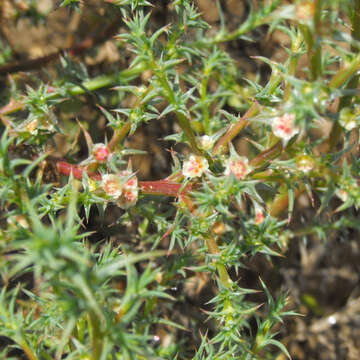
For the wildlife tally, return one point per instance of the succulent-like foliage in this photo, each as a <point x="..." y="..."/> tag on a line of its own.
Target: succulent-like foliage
<point x="93" y="256"/>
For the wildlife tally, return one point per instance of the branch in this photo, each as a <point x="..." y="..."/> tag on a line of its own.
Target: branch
<point x="159" y="187"/>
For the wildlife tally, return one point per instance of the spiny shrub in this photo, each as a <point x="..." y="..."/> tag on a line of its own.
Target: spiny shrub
<point x="94" y="259"/>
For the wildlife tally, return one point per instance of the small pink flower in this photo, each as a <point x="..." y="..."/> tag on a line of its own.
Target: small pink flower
<point x="283" y="127"/>
<point x="239" y="166"/>
<point x="101" y="152"/>
<point x="122" y="187"/>
<point x="195" y="166"/>
<point x="130" y="191"/>
<point x="112" y="185"/>
<point x="259" y="216"/>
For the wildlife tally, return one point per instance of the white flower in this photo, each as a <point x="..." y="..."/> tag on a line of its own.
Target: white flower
<point x="206" y="142"/>
<point x="239" y="166"/>
<point x="112" y="185"/>
<point x="130" y="191"/>
<point x="195" y="166"/>
<point x="283" y="127"/>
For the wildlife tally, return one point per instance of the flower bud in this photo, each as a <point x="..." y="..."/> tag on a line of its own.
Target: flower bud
<point x="347" y="119"/>
<point x="259" y="216"/>
<point x="101" y="152"/>
<point x="304" y="163"/>
<point x="206" y="142"/>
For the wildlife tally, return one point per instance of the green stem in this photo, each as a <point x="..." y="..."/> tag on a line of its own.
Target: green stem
<point x="107" y="80"/>
<point x="28" y="351"/>
<point x="89" y="85"/>
<point x="119" y="134"/>
<point x="316" y="57"/>
<point x="343" y="75"/>
<point x="182" y="120"/>
<point x="224" y="276"/>
<point x="204" y="105"/>
<point x="96" y="338"/>
<point x="293" y="61"/>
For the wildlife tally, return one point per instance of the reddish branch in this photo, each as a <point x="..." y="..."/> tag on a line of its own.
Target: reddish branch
<point x="37" y="63"/>
<point x="159" y="187"/>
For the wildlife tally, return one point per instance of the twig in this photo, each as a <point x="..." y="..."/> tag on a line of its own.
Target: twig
<point x="159" y="187"/>
<point x="234" y="129"/>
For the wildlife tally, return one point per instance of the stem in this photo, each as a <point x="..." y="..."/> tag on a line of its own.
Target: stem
<point x="182" y="120"/>
<point x="281" y="202"/>
<point x="160" y="187"/>
<point x="235" y="129"/>
<point x="313" y="41"/>
<point x="267" y="155"/>
<point x="88" y="85"/>
<point x="292" y="70"/>
<point x="96" y="337"/>
<point x="107" y="80"/>
<point x="293" y="61"/>
<point x="119" y="134"/>
<point x="224" y="277"/>
<point x="345" y="74"/>
<point x="204" y="105"/>
<point x="28" y="351"/>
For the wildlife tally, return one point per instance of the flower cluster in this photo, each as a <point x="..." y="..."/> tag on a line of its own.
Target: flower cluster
<point x="122" y="188"/>
<point x="237" y="165"/>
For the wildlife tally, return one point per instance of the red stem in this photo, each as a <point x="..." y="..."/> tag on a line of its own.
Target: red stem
<point x="159" y="187"/>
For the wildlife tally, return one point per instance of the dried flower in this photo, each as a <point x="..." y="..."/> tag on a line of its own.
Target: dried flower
<point x="195" y="166"/>
<point x="283" y="127"/>
<point x="101" y="152"/>
<point x="239" y="166"/>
